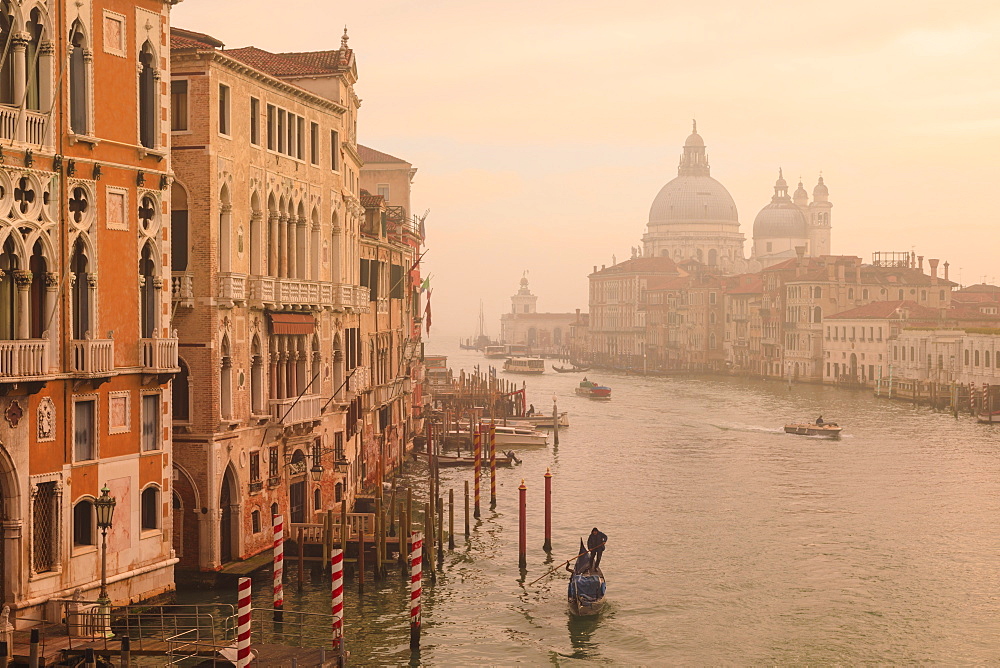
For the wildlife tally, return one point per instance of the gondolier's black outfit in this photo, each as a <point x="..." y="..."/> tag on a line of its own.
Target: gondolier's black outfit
<point x="596" y="542"/>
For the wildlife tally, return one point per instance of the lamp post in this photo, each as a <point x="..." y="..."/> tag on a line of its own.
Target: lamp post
<point x="105" y="507"/>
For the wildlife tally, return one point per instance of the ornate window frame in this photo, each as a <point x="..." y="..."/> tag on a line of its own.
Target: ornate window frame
<point x="127" y="427"/>
<point x="56" y="529"/>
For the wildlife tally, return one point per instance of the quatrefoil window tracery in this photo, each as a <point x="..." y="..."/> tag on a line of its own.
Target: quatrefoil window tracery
<point x="148" y="222"/>
<point x="79" y="204"/>
<point x="24" y="195"/>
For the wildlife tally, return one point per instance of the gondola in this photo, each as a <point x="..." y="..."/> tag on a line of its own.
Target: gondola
<point x="570" y="369"/>
<point x="586" y="586"/>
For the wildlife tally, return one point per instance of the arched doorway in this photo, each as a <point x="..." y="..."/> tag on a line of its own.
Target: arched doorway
<point x="854" y="366"/>
<point x="228" y="517"/>
<point x="10" y="537"/>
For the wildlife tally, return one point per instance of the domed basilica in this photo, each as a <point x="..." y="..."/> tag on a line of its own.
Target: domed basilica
<point x="694" y="217"/>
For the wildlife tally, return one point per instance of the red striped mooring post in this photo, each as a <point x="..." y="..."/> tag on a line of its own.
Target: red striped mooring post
<point x="522" y="529"/>
<point x="243" y="624"/>
<point x="477" y="446"/>
<point x="416" y="559"/>
<point x="547" y="545"/>
<point x="278" y="526"/>
<point x="337" y="602"/>
<point x="493" y="465"/>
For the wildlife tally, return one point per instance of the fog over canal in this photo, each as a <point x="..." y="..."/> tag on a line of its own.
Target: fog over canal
<point x="729" y="541"/>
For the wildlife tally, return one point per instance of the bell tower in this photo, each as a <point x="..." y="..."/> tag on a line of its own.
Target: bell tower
<point x="523" y="301"/>
<point x="819" y="220"/>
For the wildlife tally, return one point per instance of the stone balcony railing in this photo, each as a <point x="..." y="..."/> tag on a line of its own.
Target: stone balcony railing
<point x="232" y="289"/>
<point x="159" y="355"/>
<point x="182" y="288"/>
<point x="360" y="380"/>
<point x="302" y="294"/>
<point x="19" y="359"/>
<point x="289" y="411"/>
<point x="28" y="128"/>
<point x="92" y="356"/>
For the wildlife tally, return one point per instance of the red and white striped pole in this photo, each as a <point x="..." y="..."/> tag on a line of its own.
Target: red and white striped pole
<point x="416" y="563"/>
<point x="277" y="522"/>
<point x="337" y="600"/>
<point x="243" y="624"/>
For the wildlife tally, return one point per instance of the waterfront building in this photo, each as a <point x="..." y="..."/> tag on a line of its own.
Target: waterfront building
<point x="616" y="331"/>
<point x="790" y="222"/>
<point x="685" y="320"/>
<point x="543" y="333"/>
<point x="983" y="297"/>
<point x="85" y="332"/>
<point x="267" y="219"/>
<point x="694" y="216"/>
<point x="391" y="178"/>
<point x="743" y="296"/>
<point x="388" y="248"/>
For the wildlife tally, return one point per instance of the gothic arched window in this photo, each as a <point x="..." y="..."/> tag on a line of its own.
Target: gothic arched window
<point x="8" y="291"/>
<point x="78" y="112"/>
<point x="147" y="96"/>
<point x="147" y="298"/>
<point x="80" y="291"/>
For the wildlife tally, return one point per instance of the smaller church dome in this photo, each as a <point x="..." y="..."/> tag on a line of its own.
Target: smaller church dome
<point x="800" y="192"/>
<point x="694" y="139"/>
<point x="781" y="219"/>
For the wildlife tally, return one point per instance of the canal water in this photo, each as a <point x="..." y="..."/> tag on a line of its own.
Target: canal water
<point x="730" y="542"/>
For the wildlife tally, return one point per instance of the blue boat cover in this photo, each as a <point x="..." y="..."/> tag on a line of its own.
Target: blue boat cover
<point x="587" y="587"/>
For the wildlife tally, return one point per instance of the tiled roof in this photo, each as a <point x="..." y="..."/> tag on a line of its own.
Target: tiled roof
<point x="325" y="62"/>
<point x="188" y="39"/>
<point x="900" y="276"/>
<point x="371" y="155"/>
<point x="745" y="284"/>
<point x="882" y="310"/>
<point x="370" y="201"/>
<point x="642" y="265"/>
<point x="275" y="64"/>
<point x="980" y="288"/>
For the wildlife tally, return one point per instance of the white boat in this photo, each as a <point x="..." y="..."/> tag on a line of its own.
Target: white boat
<point x="524" y="365"/>
<point x="494" y="352"/>
<point x="510" y="435"/>
<point x="543" y="421"/>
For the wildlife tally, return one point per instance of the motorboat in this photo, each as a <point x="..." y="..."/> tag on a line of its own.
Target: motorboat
<point x="539" y="421"/>
<point x="831" y="429"/>
<point x="508" y="435"/>
<point x="592" y="390"/>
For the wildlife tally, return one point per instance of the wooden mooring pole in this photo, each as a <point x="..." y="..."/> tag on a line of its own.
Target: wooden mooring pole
<point x="493" y="465"/>
<point x="467" y="510"/>
<point x="428" y="535"/>
<point x="522" y="529"/>
<point x="477" y="444"/>
<point x="440" y="530"/>
<point x="451" y="519"/>
<point x="547" y="545"/>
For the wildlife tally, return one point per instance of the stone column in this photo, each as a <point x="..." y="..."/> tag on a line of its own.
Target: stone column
<point x="300" y="249"/>
<point x="22" y="279"/>
<point x="282" y="242"/>
<point x="272" y="245"/>
<point x="19" y="44"/>
<point x="290" y="249"/>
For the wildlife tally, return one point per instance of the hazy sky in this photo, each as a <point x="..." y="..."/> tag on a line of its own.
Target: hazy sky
<point x="543" y="130"/>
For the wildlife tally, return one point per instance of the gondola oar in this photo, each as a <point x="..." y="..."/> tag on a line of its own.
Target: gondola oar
<point x="566" y="562"/>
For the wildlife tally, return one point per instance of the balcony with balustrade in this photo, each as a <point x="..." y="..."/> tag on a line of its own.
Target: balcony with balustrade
<point x="300" y="294"/>
<point x="296" y="410"/>
<point x="182" y="288"/>
<point x="232" y="289"/>
<point x="92" y="358"/>
<point x="159" y="356"/>
<point x="26" y="359"/>
<point x="24" y="126"/>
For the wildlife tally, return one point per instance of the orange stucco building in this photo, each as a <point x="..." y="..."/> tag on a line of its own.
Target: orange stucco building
<point x="86" y="347"/>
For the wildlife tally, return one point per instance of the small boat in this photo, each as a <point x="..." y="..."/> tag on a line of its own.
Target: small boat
<point x="592" y="390"/>
<point x="495" y="352"/>
<point x="502" y="459"/>
<point x="570" y="369"/>
<point x="532" y="365"/>
<point x="825" y="429"/>
<point x="509" y="435"/>
<point x="988" y="418"/>
<point x="541" y="421"/>
<point x="586" y="586"/>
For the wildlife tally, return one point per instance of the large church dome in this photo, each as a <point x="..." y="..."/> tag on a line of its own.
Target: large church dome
<point x="781" y="219"/>
<point x="694" y="196"/>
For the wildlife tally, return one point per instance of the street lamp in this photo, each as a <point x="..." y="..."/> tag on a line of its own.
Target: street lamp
<point x="105" y="507"/>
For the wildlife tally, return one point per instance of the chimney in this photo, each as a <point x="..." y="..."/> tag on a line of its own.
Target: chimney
<point x="920" y="263"/>
<point x="603" y="266"/>
<point x="946" y="270"/>
<point x="933" y="265"/>
<point x="595" y="268"/>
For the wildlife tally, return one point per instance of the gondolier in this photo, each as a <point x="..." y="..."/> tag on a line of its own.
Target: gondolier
<point x="595" y="543"/>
